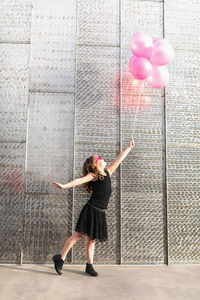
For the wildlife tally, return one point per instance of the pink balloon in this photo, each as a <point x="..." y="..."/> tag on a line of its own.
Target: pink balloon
<point x="140" y="67"/>
<point x="159" y="77"/>
<point x="162" y="53"/>
<point x="141" y="44"/>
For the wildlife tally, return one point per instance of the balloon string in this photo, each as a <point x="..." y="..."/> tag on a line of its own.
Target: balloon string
<point x="137" y="107"/>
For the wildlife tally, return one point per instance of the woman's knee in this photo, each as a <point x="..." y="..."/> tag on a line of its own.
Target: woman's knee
<point x="91" y="241"/>
<point x="77" y="235"/>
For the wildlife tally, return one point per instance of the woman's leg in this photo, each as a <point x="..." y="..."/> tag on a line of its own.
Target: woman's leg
<point x="70" y="242"/>
<point x="90" y="250"/>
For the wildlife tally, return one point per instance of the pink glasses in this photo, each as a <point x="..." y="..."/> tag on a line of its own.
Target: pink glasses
<point x="99" y="157"/>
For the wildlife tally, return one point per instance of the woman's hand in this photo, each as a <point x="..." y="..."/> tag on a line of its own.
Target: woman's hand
<point x="131" y="144"/>
<point x="58" y="185"/>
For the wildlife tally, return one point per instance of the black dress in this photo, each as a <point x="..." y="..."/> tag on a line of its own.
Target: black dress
<point x="92" y="218"/>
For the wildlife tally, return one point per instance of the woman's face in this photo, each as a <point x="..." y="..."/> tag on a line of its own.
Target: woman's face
<point x="100" y="163"/>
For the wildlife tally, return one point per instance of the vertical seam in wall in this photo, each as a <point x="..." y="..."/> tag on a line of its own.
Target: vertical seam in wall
<point x="75" y="86"/>
<point x="120" y="141"/>
<point x="165" y="163"/>
<point x="26" y="148"/>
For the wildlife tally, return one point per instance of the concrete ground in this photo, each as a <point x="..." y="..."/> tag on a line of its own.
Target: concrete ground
<point x="115" y="282"/>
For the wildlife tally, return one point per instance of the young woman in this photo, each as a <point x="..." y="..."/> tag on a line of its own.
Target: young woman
<point x="92" y="219"/>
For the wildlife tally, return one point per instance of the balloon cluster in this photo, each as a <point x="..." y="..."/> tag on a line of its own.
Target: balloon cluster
<point x="150" y="59"/>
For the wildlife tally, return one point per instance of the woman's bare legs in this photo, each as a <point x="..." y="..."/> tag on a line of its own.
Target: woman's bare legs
<point x="90" y="250"/>
<point x="70" y="242"/>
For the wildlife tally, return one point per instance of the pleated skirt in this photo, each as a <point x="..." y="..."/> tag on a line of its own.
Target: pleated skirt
<point x="92" y="222"/>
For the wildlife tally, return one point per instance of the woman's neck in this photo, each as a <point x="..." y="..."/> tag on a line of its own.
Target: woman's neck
<point x="101" y="170"/>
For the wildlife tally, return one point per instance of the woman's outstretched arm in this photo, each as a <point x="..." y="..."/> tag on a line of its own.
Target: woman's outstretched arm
<point x="111" y="168"/>
<point x="75" y="182"/>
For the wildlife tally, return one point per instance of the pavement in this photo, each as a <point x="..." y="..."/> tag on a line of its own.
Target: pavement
<point x="124" y="282"/>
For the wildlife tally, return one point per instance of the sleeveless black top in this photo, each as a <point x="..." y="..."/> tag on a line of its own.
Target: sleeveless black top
<point x="101" y="191"/>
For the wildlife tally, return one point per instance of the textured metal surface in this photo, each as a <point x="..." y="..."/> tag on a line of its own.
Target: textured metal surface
<point x="15" y="21"/>
<point x="53" y="33"/>
<point x="14" y="66"/>
<point x="11" y="200"/>
<point x="182" y="24"/>
<point x="98" y="22"/>
<point x="142" y="187"/>
<point x="96" y="111"/>
<point x="49" y="158"/>
<point x="50" y="140"/>
<point x="47" y="225"/>
<point x="183" y="132"/>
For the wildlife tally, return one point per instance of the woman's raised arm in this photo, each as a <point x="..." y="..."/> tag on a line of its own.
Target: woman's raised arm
<point x="111" y="168"/>
<point x="75" y="182"/>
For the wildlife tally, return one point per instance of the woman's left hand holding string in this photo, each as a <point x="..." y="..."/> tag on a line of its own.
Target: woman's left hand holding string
<point x="131" y="144"/>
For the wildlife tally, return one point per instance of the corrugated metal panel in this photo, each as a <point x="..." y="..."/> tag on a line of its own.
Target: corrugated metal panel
<point x="142" y="183"/>
<point x="53" y="33"/>
<point x="49" y="158"/>
<point x="98" y="22"/>
<point x="47" y="224"/>
<point x="183" y="115"/>
<point x="15" y="20"/>
<point x="97" y="124"/>
<point x="50" y="138"/>
<point x="11" y="201"/>
<point x="14" y="92"/>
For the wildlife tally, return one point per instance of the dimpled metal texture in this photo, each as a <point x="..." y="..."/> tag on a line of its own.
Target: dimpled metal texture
<point x="143" y="208"/>
<point x="182" y="25"/>
<point x="67" y="94"/>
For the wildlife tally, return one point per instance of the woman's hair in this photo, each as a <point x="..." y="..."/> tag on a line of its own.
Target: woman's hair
<point x="88" y="167"/>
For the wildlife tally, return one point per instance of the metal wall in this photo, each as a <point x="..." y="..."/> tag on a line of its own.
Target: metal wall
<point x="67" y="94"/>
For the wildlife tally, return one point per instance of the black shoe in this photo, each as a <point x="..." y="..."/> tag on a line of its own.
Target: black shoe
<point x="58" y="263"/>
<point x="89" y="269"/>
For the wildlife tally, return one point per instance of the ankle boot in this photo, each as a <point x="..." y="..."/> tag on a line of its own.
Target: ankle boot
<point x="58" y="263"/>
<point x="89" y="269"/>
